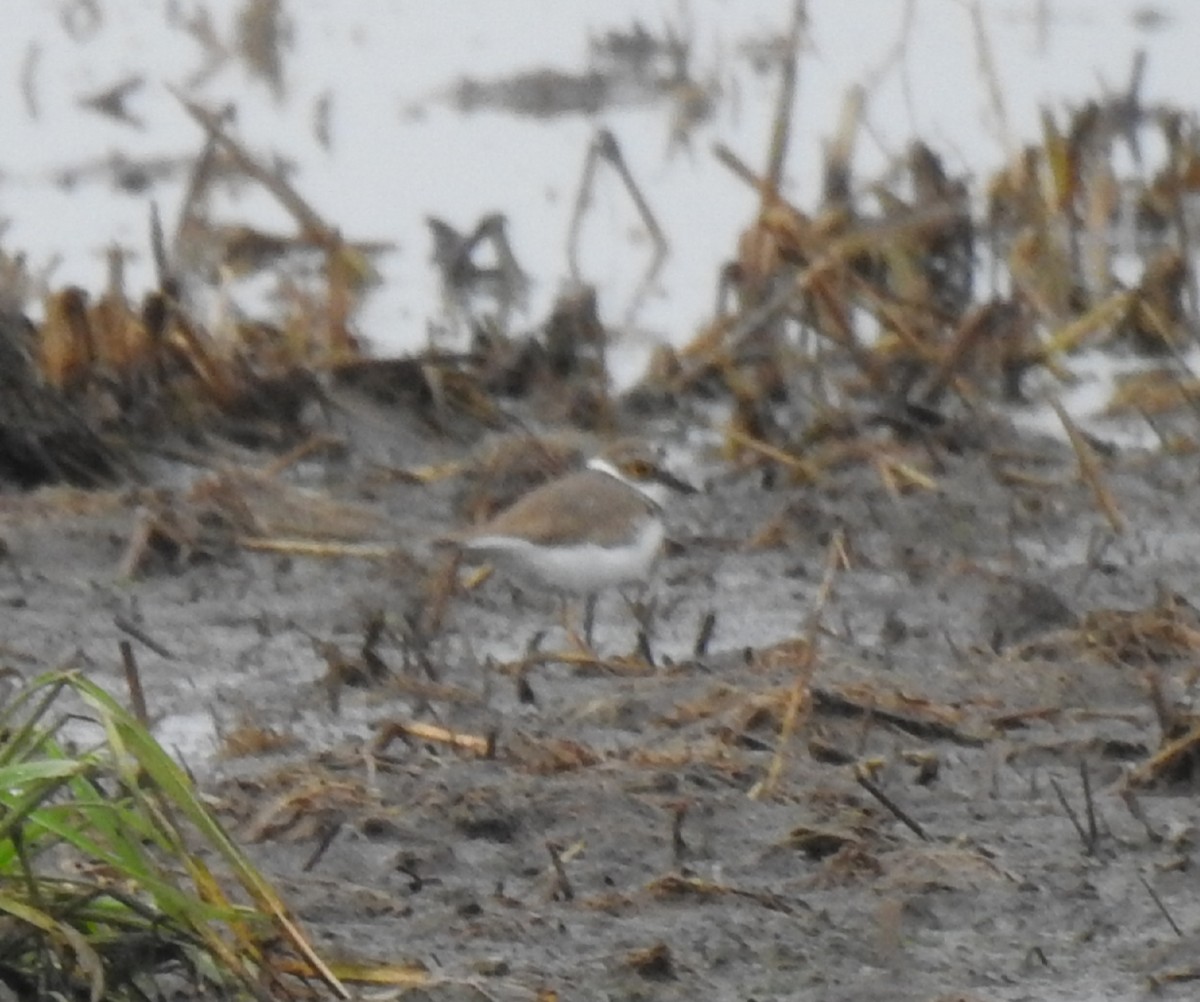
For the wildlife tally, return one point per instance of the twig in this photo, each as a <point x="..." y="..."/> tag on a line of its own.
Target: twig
<point x="579" y="659"/>
<point x="1089" y="469"/>
<point x="801" y="694"/>
<point x="525" y="692"/>
<point x="292" y="933"/>
<point x="1066" y="806"/>
<point x="328" y="833"/>
<point x="133" y="682"/>
<point x="1167" y="754"/>
<point x="158" y="248"/>
<point x="704" y="635"/>
<point x="314" y="443"/>
<point x="310" y="223"/>
<point x="843" y="703"/>
<point x="582" y="198"/>
<point x="28" y="83"/>
<point x="839" y="151"/>
<point x="135" y="631"/>
<point x="589" y="618"/>
<point x="780" y="129"/>
<point x="190" y="207"/>
<point x="1098" y="545"/>
<point x="893" y="57"/>
<point x="391" y="729"/>
<point x="316" y="548"/>
<point x="1090" y="805"/>
<point x="441" y="586"/>
<point x="1161" y="907"/>
<point x="1173" y="976"/>
<point x="1165" y="717"/>
<point x="802" y="467"/>
<point x="1134" y="806"/>
<point x="1183" y="234"/>
<point x="679" y="847"/>
<point x="902" y="816"/>
<point x="645" y="651"/>
<point x="987" y="67"/>
<point x="604" y="147"/>
<point x="739" y="167"/>
<point x="610" y="151"/>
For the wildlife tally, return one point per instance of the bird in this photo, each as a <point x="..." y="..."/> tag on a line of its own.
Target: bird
<point x="584" y="532"/>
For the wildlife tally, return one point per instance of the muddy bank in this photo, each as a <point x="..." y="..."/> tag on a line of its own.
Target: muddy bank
<point x="608" y="836"/>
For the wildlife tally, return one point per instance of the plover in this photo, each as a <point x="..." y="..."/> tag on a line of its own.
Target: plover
<point x="596" y="528"/>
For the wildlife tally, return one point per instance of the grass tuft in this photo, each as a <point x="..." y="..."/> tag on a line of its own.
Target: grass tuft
<point x="115" y="877"/>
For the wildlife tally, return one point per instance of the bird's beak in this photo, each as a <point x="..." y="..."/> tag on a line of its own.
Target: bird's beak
<point x="668" y="479"/>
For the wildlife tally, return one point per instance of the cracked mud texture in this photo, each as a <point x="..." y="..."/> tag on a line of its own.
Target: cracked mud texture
<point x="955" y="658"/>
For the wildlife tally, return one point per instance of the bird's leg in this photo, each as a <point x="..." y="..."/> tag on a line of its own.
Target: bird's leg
<point x="583" y="644"/>
<point x="643" y="611"/>
<point x="589" y="618"/>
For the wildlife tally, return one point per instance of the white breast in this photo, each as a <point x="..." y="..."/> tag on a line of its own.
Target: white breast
<point x="581" y="568"/>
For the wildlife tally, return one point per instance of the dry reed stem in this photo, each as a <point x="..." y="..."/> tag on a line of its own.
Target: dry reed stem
<point x="1089" y="470"/>
<point x="991" y="78"/>
<point x="780" y="129"/>
<point x="421" y="731"/>
<point x="800" y="697"/>
<point x="1070" y="335"/>
<point x="809" y="471"/>
<point x="1162" y="758"/>
<point x="315" y="548"/>
<point x="314" y="443"/>
<point x="306" y="217"/>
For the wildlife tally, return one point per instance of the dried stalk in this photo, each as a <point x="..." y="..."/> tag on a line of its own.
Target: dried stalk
<point x="801" y="694"/>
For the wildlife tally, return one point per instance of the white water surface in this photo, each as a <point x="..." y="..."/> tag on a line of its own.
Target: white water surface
<point x="400" y="149"/>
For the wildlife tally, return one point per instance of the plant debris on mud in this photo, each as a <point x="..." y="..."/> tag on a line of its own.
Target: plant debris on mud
<point x="908" y="710"/>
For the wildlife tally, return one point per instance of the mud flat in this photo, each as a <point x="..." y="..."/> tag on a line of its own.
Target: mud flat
<point x="615" y="828"/>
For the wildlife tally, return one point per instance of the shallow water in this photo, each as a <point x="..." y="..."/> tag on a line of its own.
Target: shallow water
<point x="399" y="149"/>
